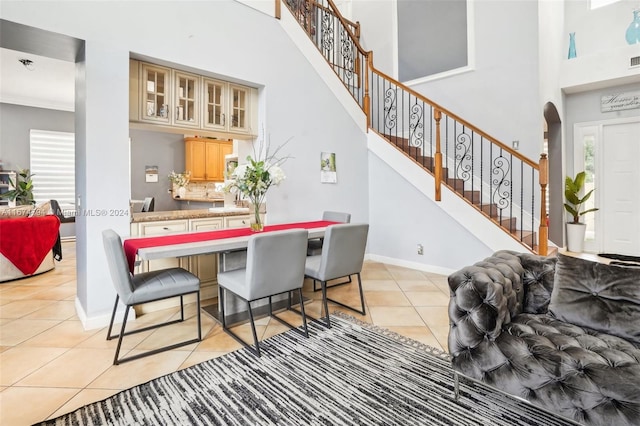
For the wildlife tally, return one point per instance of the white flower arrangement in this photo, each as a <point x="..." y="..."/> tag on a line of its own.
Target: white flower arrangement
<point x="179" y="179"/>
<point x="254" y="178"/>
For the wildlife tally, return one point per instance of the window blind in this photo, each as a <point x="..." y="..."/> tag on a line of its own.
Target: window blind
<point x="53" y="167"/>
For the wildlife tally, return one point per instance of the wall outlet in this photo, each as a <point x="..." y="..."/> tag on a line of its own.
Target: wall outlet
<point x="420" y="249"/>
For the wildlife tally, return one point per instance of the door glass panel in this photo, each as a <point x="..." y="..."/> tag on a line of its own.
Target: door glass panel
<point x="239" y="106"/>
<point x="590" y="171"/>
<point x="155" y="87"/>
<point x="214" y="104"/>
<point x="186" y="109"/>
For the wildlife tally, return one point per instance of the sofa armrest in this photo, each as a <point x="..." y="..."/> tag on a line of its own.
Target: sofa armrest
<point x="483" y="298"/>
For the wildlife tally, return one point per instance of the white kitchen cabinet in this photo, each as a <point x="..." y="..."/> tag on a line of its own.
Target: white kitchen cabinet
<point x="176" y="99"/>
<point x="236" y="221"/>
<point x="186" y="99"/>
<point x="228" y="107"/>
<point x="155" y="94"/>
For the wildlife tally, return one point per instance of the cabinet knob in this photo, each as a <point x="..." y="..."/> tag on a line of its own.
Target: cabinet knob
<point x="166" y="228"/>
<point x="224" y="118"/>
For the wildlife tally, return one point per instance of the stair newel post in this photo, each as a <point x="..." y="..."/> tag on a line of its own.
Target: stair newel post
<point x="437" y="170"/>
<point x="543" y="245"/>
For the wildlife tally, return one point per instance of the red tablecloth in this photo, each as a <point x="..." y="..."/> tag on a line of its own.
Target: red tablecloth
<point x="25" y="241"/>
<point x="132" y="246"/>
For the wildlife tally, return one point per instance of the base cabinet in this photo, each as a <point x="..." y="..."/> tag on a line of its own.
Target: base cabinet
<point x="204" y="266"/>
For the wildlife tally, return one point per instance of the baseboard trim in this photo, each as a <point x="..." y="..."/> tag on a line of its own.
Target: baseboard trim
<point x="100" y="321"/>
<point x="412" y="265"/>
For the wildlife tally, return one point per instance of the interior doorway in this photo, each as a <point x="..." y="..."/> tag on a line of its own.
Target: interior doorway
<point x="555" y="188"/>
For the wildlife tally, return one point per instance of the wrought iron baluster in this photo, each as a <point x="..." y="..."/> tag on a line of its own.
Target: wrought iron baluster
<point x="390" y="116"/>
<point x="463" y="145"/>
<point x="500" y="171"/>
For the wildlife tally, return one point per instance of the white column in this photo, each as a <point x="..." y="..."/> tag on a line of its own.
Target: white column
<point x="102" y="172"/>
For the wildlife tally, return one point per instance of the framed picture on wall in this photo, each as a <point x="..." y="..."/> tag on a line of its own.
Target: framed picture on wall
<point x="328" y="173"/>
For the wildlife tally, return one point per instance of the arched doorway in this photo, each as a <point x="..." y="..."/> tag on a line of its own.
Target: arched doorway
<point x="553" y="140"/>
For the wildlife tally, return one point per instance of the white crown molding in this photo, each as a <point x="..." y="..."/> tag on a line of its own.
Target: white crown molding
<point x="37" y="103"/>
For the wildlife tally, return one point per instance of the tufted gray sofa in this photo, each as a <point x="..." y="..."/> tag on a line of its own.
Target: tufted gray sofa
<point x="563" y="333"/>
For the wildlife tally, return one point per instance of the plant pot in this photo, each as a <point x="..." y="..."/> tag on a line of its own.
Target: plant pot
<point x="575" y="236"/>
<point x="182" y="192"/>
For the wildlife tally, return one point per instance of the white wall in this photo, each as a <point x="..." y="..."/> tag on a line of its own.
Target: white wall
<point x="598" y="30"/>
<point x="378" y="26"/>
<point x="602" y="51"/>
<point x="404" y="217"/>
<point x="218" y="37"/>
<point x="551" y="43"/>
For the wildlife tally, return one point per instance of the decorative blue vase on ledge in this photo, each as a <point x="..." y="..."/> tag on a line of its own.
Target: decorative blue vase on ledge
<point x="633" y="31"/>
<point x="572" y="46"/>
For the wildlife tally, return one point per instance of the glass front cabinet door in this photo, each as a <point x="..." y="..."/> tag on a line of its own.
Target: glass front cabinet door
<point x="155" y="90"/>
<point x="186" y="95"/>
<point x="214" y="104"/>
<point x="239" y="109"/>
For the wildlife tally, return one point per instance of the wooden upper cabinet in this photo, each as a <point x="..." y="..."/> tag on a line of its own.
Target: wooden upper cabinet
<point x="204" y="158"/>
<point x="196" y="158"/>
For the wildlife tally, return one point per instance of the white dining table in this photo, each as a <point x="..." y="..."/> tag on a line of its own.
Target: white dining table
<point x="233" y="247"/>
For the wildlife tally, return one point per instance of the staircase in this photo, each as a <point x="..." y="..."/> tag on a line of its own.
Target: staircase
<point x="490" y="176"/>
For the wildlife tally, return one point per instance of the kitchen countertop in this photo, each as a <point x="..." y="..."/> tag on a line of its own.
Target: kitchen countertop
<point x="188" y="214"/>
<point x="202" y="200"/>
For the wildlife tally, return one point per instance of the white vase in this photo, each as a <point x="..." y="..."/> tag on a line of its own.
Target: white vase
<point x="182" y="192"/>
<point x="575" y="236"/>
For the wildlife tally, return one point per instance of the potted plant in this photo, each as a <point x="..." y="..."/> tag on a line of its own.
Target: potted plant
<point x="23" y="189"/>
<point x="574" y="204"/>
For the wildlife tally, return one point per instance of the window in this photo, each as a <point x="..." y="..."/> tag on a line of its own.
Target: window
<point x="600" y="3"/>
<point x="432" y="38"/>
<point x="53" y="167"/>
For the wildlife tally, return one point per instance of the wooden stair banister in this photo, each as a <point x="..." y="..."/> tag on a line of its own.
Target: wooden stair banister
<point x="354" y="66"/>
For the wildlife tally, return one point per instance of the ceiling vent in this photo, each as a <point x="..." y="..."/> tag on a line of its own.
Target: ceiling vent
<point x="634" y="62"/>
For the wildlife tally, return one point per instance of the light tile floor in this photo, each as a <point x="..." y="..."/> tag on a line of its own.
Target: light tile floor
<point x="50" y="365"/>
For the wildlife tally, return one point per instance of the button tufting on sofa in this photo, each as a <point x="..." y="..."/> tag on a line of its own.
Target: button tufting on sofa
<point x="568" y="357"/>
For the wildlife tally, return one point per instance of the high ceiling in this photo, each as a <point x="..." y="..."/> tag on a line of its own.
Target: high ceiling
<point x="49" y="83"/>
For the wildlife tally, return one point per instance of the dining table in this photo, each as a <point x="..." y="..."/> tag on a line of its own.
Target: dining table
<point x="225" y="243"/>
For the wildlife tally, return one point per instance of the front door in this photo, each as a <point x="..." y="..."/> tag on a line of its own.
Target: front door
<point x="620" y="188"/>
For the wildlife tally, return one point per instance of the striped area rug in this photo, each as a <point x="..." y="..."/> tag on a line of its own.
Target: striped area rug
<point x="351" y="374"/>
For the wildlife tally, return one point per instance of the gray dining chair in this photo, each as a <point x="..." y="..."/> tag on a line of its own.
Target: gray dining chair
<point x="275" y="265"/>
<point x="146" y="287"/>
<point x="315" y="244"/>
<point x="342" y="256"/>
<point x="148" y="205"/>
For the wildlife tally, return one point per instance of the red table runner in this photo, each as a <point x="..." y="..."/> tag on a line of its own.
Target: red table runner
<point x="132" y="246"/>
<point x="25" y="241"/>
